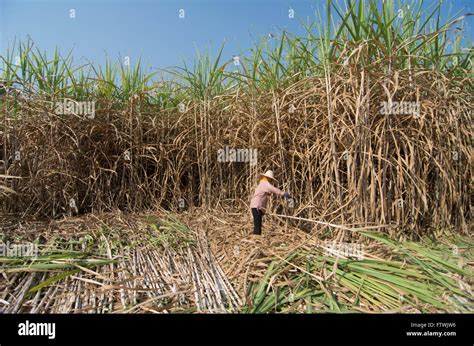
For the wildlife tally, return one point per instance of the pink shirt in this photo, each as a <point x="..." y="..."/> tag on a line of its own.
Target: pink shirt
<point x="260" y="197"/>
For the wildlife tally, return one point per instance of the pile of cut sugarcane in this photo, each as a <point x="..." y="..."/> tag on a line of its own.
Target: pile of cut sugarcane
<point x="392" y="277"/>
<point x="152" y="266"/>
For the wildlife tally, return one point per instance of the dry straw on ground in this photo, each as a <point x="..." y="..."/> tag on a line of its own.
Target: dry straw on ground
<point x="200" y="262"/>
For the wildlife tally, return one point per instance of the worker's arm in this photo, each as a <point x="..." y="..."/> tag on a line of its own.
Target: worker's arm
<point x="276" y="191"/>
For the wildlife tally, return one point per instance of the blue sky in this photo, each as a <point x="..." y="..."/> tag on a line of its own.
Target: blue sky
<point x="152" y="29"/>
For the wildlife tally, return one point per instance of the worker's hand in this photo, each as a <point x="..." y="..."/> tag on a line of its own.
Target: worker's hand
<point x="286" y="195"/>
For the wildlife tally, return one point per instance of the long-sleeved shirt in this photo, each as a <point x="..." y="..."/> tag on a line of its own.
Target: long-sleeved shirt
<point x="260" y="197"/>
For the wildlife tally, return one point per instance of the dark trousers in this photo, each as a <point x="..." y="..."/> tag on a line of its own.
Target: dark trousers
<point x="257" y="221"/>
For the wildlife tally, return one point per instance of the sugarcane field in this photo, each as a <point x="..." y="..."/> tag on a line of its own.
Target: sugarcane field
<point x="321" y="166"/>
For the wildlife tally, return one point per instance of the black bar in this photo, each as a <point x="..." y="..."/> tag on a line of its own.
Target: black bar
<point x="315" y="329"/>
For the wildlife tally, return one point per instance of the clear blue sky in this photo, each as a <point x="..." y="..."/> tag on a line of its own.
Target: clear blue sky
<point x="152" y="29"/>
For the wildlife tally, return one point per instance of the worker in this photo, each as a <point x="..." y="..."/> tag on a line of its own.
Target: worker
<point x="259" y="200"/>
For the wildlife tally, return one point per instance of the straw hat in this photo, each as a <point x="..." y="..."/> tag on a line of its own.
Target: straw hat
<point x="269" y="174"/>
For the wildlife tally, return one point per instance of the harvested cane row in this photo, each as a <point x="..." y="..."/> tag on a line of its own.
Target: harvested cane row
<point x="153" y="276"/>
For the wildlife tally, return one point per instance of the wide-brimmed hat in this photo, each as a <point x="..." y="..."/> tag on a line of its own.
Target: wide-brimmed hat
<point x="269" y="174"/>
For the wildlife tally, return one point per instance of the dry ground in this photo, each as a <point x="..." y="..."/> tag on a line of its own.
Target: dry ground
<point x="193" y="261"/>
